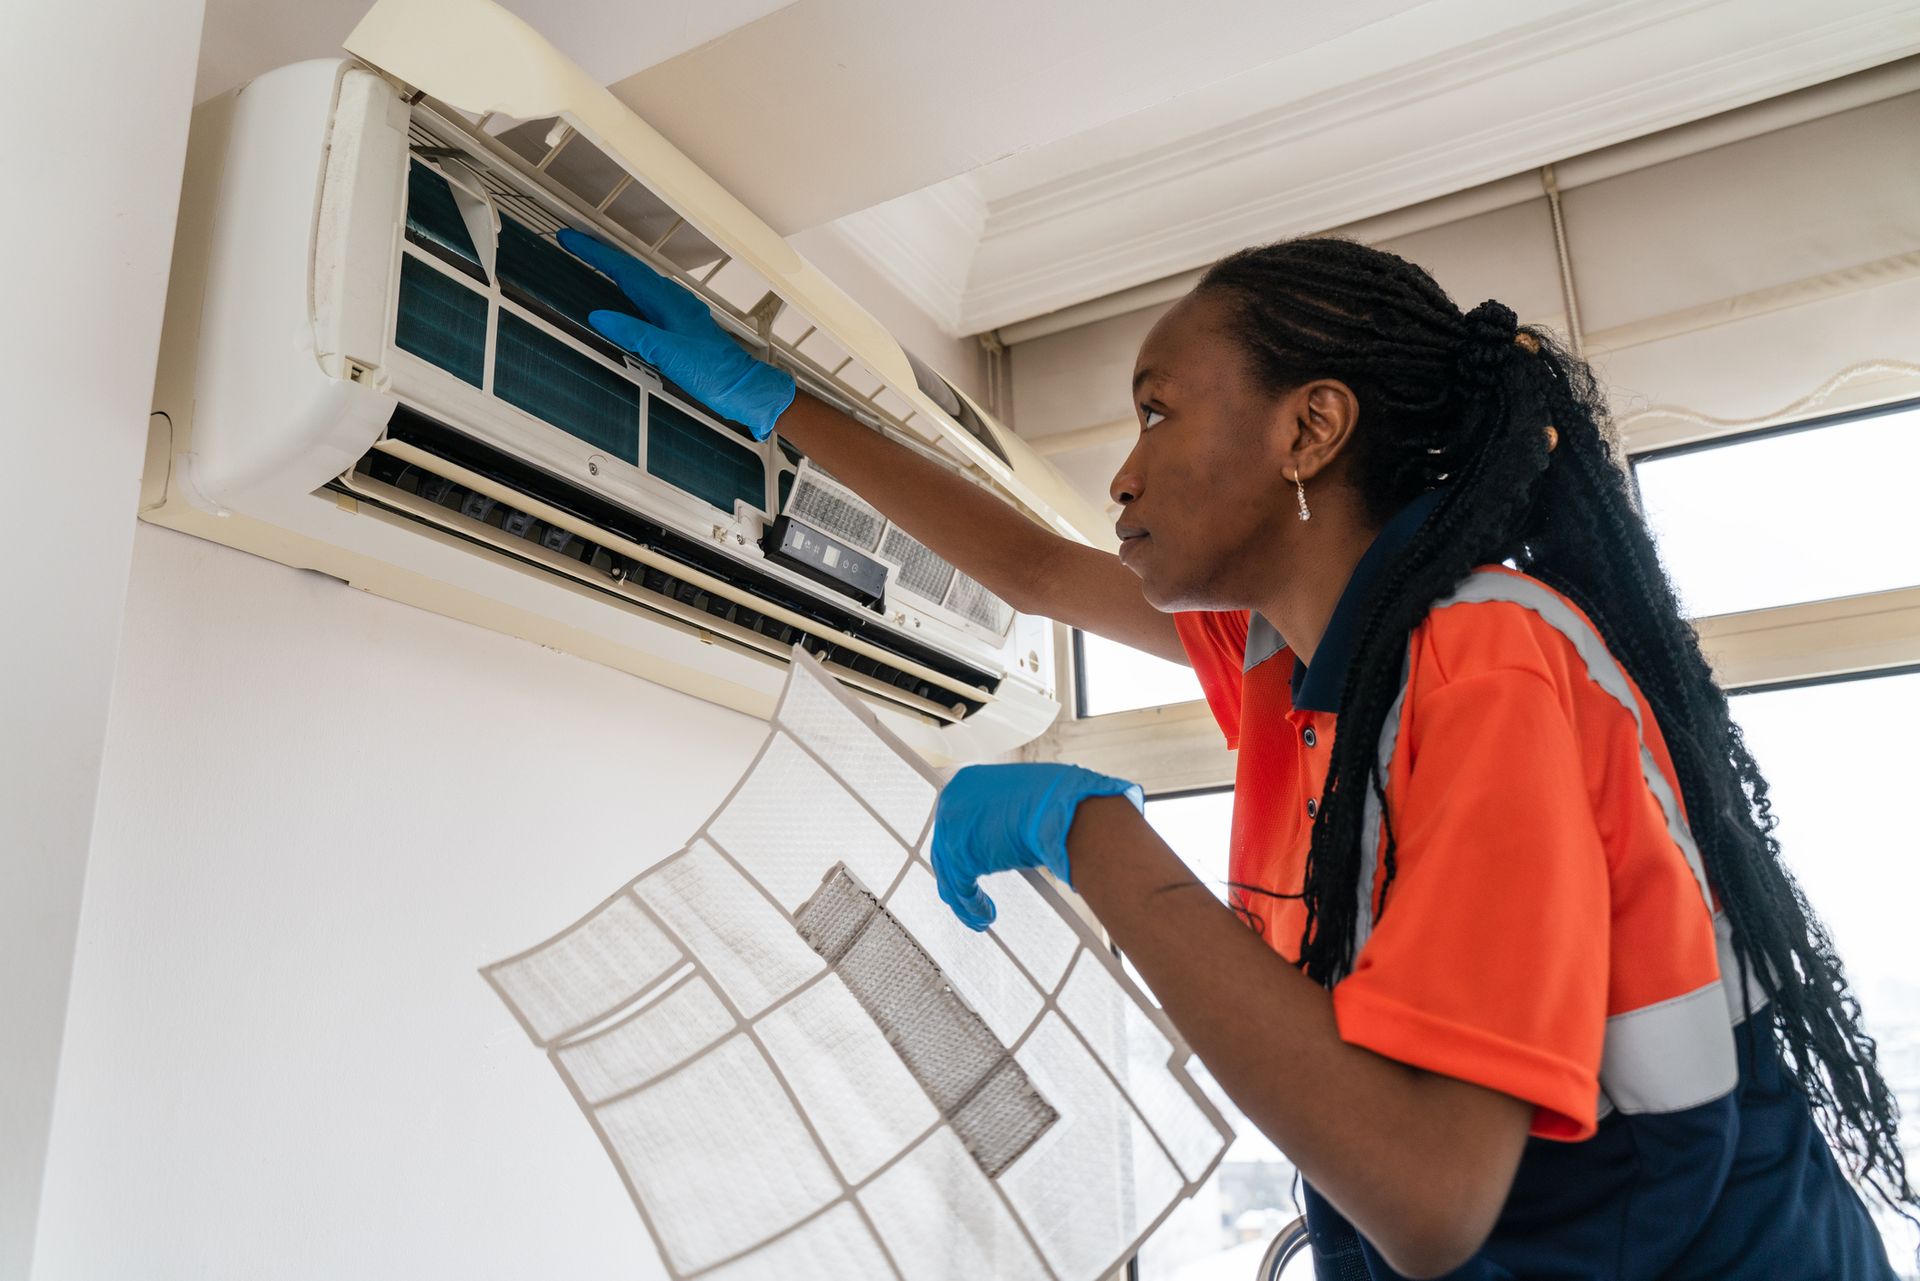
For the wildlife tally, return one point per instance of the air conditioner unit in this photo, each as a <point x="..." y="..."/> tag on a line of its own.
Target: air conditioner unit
<point x="376" y="364"/>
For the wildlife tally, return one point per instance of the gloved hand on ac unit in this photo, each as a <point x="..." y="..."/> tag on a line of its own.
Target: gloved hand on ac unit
<point x="994" y="818"/>
<point x="676" y="334"/>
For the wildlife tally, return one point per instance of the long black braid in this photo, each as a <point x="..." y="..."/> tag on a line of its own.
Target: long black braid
<point x="1454" y="400"/>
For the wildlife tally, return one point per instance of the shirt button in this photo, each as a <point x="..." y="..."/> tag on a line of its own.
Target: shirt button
<point x="1309" y="736"/>
<point x="1313" y="807"/>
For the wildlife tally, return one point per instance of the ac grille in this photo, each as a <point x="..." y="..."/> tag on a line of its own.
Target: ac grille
<point x="921" y="571"/>
<point x="973" y="602"/>
<point x="832" y="512"/>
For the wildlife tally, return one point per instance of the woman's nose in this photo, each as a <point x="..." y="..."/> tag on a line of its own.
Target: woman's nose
<point x="1126" y="484"/>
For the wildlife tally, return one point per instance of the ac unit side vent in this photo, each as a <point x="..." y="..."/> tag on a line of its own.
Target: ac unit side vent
<point x="416" y="429"/>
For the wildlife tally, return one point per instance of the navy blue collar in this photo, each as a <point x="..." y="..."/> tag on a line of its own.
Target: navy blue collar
<point x="1316" y="688"/>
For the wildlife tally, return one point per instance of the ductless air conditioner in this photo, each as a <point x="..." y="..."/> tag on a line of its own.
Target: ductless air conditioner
<point x="376" y="363"/>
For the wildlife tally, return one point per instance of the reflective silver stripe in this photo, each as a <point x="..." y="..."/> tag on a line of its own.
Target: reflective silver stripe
<point x="1370" y="824"/>
<point x="1671" y="1056"/>
<point x="1736" y="1014"/>
<point x="1604" y="672"/>
<point x="1730" y="973"/>
<point x="1263" y="642"/>
<point x="1662" y="1058"/>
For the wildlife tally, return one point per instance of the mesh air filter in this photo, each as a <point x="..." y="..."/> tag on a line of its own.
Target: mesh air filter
<point x="944" y="1221"/>
<point x="950" y="1051"/>
<point x="838" y="735"/>
<point x="685" y="1157"/>
<point x="972" y="601"/>
<point x="745" y="942"/>
<point x="757" y="828"/>
<point x="538" y="273"/>
<point x="985" y="976"/>
<point x="646" y="1043"/>
<point x="836" y="1245"/>
<point x="587" y="971"/>
<point x="832" y="510"/>
<point x="1071" y="1217"/>
<point x="921" y="571"/>
<point x="1139" y="1055"/>
<point x="859" y="1095"/>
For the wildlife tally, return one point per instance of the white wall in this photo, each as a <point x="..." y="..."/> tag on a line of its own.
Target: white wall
<point x="99" y="103"/>
<point x="321" y="812"/>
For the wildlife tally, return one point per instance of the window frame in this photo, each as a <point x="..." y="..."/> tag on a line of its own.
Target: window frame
<point x="1077" y="678"/>
<point x="1742" y="434"/>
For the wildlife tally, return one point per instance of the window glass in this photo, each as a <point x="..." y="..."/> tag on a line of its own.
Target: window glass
<point x="1838" y="759"/>
<point x="1224" y="1230"/>
<point x="1119" y="678"/>
<point x="1789" y="516"/>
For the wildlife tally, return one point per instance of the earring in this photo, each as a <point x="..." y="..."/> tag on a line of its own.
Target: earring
<point x="1301" y="490"/>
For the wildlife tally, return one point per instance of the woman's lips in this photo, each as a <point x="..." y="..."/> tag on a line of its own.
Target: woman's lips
<point x="1127" y="545"/>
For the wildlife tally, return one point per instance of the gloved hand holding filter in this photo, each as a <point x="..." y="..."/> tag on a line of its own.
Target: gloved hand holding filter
<point x="996" y="818"/>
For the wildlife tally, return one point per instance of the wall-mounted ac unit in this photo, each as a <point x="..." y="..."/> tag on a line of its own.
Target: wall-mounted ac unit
<point x="376" y="363"/>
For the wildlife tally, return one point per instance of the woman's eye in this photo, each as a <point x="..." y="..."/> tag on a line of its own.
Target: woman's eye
<point x="1149" y="415"/>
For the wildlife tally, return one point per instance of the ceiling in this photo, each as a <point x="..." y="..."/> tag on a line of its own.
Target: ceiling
<point x="1001" y="159"/>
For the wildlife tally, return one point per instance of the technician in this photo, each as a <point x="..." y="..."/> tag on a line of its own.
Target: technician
<point x="1511" y="969"/>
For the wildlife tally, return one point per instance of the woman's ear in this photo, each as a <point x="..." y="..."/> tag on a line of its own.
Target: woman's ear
<point x="1326" y="411"/>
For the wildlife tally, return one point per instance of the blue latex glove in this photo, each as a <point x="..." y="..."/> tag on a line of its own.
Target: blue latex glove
<point x="994" y="818"/>
<point x="676" y="334"/>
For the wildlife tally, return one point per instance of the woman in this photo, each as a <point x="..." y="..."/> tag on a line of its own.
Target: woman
<point x="1514" y="974"/>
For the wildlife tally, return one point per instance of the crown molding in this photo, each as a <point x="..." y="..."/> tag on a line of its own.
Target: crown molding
<point x="1419" y="127"/>
<point x="1340" y="104"/>
<point x="925" y="243"/>
<point x="1228" y="198"/>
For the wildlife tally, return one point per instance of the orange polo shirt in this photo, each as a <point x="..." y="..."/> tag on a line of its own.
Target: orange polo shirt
<point x="1538" y="891"/>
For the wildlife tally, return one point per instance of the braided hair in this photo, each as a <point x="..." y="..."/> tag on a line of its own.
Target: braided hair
<point x="1465" y="401"/>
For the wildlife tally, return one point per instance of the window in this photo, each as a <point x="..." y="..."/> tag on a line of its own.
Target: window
<point x="1222" y="1232"/>
<point x="1777" y="517"/>
<point x="1838" y="758"/>
<point x="1112" y="677"/>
